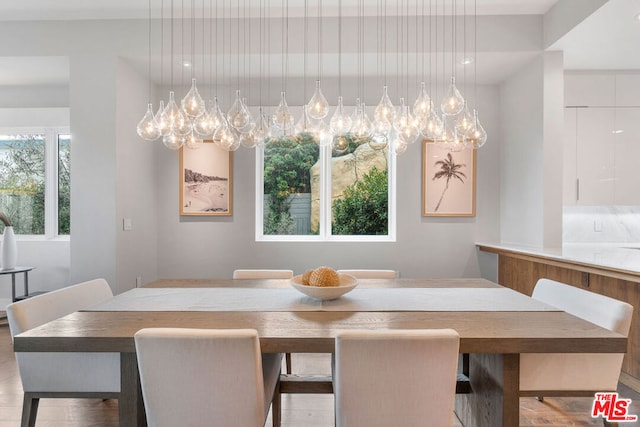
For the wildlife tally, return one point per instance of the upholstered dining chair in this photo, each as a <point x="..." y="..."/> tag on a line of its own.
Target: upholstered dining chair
<point x="262" y="274"/>
<point x="395" y="377"/>
<point x="212" y="377"/>
<point x="575" y="374"/>
<point x="49" y="375"/>
<point x="267" y="274"/>
<point x="371" y="274"/>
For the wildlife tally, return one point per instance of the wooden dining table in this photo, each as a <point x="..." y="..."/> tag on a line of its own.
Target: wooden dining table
<point x="494" y="336"/>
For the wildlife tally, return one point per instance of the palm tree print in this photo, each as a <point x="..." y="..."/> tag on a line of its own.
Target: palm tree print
<point x="448" y="169"/>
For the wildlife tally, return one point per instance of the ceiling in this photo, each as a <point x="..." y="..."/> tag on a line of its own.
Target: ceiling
<point x="607" y="39"/>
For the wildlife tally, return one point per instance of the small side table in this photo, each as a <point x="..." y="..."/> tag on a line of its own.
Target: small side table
<point x="13" y="272"/>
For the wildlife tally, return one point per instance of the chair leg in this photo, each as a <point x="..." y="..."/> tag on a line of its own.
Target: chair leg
<point x="276" y="408"/>
<point x="287" y="357"/>
<point x="29" y="410"/>
<point x="540" y="398"/>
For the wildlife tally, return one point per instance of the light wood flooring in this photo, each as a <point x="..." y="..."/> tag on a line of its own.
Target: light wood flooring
<point x="297" y="410"/>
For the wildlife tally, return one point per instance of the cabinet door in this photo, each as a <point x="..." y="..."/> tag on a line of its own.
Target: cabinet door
<point x="595" y="156"/>
<point x="569" y="174"/>
<point x="627" y="156"/>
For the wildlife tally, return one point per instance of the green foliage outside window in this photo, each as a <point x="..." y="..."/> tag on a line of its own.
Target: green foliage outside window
<point x="364" y="208"/>
<point x="287" y="165"/>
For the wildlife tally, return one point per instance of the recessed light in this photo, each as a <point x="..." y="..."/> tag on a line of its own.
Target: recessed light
<point x="466" y="61"/>
<point x="637" y="17"/>
<point x="618" y="131"/>
<point x="187" y="63"/>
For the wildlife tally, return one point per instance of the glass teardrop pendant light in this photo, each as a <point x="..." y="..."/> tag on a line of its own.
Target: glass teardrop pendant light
<point x="340" y="121"/>
<point x="262" y="131"/>
<point x="217" y="116"/>
<point x="161" y="120"/>
<point x="453" y="102"/>
<point x="464" y="121"/>
<point x="378" y="141"/>
<point x="318" y="106"/>
<point x="248" y="139"/>
<point x="177" y="120"/>
<point x="340" y="144"/>
<point x="192" y="104"/>
<point x="173" y="140"/>
<point x="238" y="116"/>
<point x="476" y="135"/>
<point x="422" y="105"/>
<point x="304" y="125"/>
<point x="364" y="128"/>
<point x="193" y="141"/>
<point x="385" y="112"/>
<point x="228" y="139"/>
<point x="148" y="127"/>
<point x="203" y="124"/>
<point x="282" y="118"/>
<point x="404" y="125"/>
<point x="432" y="127"/>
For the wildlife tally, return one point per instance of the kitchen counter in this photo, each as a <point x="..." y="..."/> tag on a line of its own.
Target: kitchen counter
<point x="623" y="258"/>
<point x="607" y="269"/>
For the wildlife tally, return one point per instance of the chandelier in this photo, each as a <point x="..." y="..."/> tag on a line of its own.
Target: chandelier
<point x="451" y="123"/>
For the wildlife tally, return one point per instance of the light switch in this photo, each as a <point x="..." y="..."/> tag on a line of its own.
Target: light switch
<point x="127" y="225"/>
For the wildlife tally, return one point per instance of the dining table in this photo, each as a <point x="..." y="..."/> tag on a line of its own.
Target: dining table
<point x="495" y="324"/>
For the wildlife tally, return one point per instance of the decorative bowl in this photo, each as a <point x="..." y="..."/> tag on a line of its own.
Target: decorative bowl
<point x="326" y="293"/>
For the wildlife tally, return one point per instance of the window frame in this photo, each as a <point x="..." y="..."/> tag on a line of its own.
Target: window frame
<point x="325" y="204"/>
<point x="51" y="181"/>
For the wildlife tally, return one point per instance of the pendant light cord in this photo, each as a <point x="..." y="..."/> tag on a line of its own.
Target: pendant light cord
<point x="149" y="60"/>
<point x="339" y="47"/>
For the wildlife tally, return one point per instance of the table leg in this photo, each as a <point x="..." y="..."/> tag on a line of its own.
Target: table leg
<point x="130" y="404"/>
<point x="13" y="287"/>
<point x="495" y="380"/>
<point x="26" y="283"/>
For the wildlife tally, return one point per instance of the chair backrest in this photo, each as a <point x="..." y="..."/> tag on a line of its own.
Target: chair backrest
<point x="370" y="274"/>
<point x="558" y="373"/>
<point x="395" y="377"/>
<point x="262" y="274"/>
<point x="195" y="377"/>
<point x="61" y="372"/>
<point x="35" y="311"/>
<point x="601" y="310"/>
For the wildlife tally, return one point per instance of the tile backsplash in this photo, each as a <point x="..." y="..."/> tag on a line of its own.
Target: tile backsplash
<point x="601" y="224"/>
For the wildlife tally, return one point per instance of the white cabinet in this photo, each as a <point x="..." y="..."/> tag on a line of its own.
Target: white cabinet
<point x="595" y="156"/>
<point x="601" y="156"/>
<point x="627" y="156"/>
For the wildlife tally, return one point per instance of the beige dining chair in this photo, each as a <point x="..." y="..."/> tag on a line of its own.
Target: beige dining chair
<point x="395" y="377"/>
<point x="575" y="374"/>
<point x="262" y="274"/>
<point x="62" y="375"/>
<point x="371" y="274"/>
<point x="207" y="377"/>
<point x="266" y="274"/>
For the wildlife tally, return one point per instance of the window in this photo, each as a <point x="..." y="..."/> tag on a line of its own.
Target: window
<point x="35" y="180"/>
<point x="323" y="193"/>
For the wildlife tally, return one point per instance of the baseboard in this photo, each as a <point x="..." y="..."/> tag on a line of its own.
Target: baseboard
<point x="631" y="382"/>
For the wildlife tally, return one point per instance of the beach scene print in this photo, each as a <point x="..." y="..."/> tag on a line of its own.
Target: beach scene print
<point x="205" y="181"/>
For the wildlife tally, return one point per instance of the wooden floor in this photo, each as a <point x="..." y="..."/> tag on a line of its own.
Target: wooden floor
<point x="297" y="410"/>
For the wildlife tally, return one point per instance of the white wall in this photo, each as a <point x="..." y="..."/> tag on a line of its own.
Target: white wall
<point x="136" y="160"/>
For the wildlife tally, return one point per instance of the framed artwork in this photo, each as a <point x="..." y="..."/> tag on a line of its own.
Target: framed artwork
<point x="206" y="181"/>
<point x="448" y="181"/>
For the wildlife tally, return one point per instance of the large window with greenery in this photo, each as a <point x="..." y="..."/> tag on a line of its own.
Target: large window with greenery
<point x="340" y="191"/>
<point x="35" y="180"/>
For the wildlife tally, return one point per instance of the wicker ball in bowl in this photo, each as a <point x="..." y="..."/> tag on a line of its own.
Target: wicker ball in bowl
<point x="324" y="283"/>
